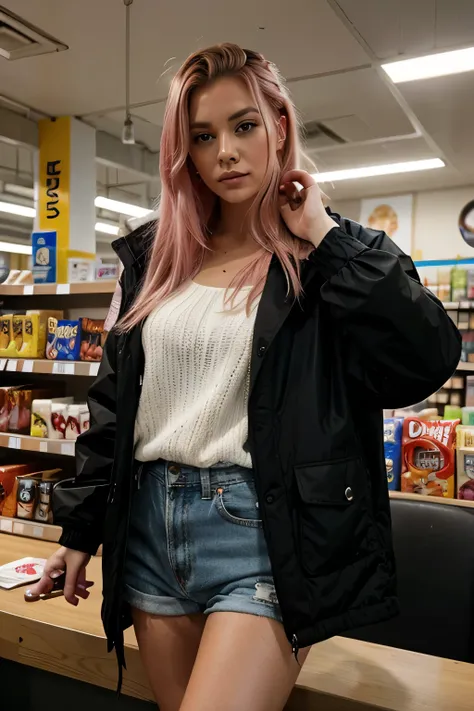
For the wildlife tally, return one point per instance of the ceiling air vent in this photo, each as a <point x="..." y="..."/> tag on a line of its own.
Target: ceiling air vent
<point x="19" y="39"/>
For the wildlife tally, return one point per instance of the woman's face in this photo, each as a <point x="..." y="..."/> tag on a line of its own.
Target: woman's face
<point x="229" y="145"/>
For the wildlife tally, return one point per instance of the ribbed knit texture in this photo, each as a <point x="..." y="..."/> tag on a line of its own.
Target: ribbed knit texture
<point x="193" y="405"/>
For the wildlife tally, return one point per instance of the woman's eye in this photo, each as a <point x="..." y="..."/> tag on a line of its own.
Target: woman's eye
<point x="246" y="127"/>
<point x="202" y="138"/>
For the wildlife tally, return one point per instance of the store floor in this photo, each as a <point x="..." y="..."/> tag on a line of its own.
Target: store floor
<point x="28" y="689"/>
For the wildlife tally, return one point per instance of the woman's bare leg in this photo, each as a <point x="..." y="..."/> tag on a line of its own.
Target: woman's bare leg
<point x="168" y="648"/>
<point x="243" y="662"/>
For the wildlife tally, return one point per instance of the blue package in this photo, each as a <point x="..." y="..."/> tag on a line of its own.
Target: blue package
<point x="64" y="339"/>
<point x="44" y="245"/>
<point x="392" y="438"/>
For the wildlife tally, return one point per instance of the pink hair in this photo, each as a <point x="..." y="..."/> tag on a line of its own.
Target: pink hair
<point x="187" y="206"/>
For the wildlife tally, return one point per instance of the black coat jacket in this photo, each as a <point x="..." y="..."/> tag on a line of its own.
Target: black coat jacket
<point x="366" y="335"/>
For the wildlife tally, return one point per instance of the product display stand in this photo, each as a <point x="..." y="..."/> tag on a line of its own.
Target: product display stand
<point x="85" y="299"/>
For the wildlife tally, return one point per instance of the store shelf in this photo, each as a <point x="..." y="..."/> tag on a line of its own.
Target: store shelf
<point x="30" y="529"/>
<point x="86" y="287"/>
<point x="66" y="448"/>
<point x="466" y="366"/>
<point x="49" y="367"/>
<point x="432" y="499"/>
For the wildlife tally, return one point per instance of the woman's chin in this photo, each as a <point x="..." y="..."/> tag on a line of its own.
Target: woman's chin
<point x="236" y="196"/>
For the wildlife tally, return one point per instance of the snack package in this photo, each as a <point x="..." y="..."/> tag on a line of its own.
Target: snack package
<point x="26" y="334"/>
<point x="18" y="324"/>
<point x="429" y="457"/>
<point x="392" y="438"/>
<point x="8" y="474"/>
<point x="93" y="339"/>
<point x="21" y="572"/>
<point x="26" y="497"/>
<point x="10" y="507"/>
<point x="43" y="510"/>
<point x="5" y="332"/>
<point x="77" y="414"/>
<point x="44" y="257"/>
<point x="465" y="462"/>
<point x="64" y="339"/>
<point x="49" y="417"/>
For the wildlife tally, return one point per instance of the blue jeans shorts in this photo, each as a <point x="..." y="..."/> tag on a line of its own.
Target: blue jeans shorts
<point x="196" y="543"/>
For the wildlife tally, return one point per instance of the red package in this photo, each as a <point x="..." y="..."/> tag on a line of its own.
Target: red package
<point x="429" y="457"/>
<point x="8" y="474"/>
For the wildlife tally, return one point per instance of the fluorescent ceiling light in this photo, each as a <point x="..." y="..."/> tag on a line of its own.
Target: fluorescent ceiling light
<point x="433" y="65"/>
<point x="15" y="248"/>
<point x="15" y="209"/>
<point x="124" y="208"/>
<point x="373" y="170"/>
<point x="107" y="228"/>
<point x="19" y="190"/>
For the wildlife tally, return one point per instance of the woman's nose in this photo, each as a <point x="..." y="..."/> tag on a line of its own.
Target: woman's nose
<point x="227" y="151"/>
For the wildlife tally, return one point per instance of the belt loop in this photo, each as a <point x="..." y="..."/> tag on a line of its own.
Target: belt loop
<point x="205" y="483"/>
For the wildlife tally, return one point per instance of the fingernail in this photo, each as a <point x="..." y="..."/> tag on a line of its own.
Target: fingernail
<point x="81" y="587"/>
<point x="28" y="593"/>
<point x="56" y="574"/>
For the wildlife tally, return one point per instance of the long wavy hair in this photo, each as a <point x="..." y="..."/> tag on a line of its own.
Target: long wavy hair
<point x="187" y="206"/>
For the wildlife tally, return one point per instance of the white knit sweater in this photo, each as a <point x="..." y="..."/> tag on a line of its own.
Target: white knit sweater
<point x="193" y="405"/>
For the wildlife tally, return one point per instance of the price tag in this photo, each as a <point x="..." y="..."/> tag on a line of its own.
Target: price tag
<point x="94" y="369"/>
<point x="14" y="443"/>
<point x="6" y="525"/>
<point x="464" y="305"/>
<point x="28" y="366"/>
<point x="28" y="290"/>
<point x="38" y="531"/>
<point x="59" y="368"/>
<point x="63" y="289"/>
<point x="43" y="447"/>
<point x="11" y="365"/>
<point x="19" y="528"/>
<point x="3" y="362"/>
<point x="68" y="449"/>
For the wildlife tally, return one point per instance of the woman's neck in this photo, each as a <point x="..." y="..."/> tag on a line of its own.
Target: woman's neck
<point x="232" y="225"/>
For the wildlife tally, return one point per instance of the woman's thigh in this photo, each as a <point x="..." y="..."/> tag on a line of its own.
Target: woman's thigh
<point x="168" y="648"/>
<point x="244" y="662"/>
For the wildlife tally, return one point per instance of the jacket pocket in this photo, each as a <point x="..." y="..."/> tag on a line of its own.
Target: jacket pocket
<point x="333" y="521"/>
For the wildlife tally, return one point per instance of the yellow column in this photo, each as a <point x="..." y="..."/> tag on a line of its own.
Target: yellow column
<point x="66" y="189"/>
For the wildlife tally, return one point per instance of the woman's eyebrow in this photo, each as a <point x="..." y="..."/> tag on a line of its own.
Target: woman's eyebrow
<point x="238" y="114"/>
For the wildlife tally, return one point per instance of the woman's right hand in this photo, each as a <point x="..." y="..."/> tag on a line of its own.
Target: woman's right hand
<point x="73" y="563"/>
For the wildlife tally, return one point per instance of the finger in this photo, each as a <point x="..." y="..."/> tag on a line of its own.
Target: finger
<point x="298" y="176"/>
<point x="42" y="587"/>
<point x="82" y="592"/>
<point x="72" y="573"/>
<point x="293" y="197"/>
<point x="82" y="584"/>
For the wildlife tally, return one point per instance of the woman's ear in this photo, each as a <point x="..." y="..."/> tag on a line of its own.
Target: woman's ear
<point x="281" y="132"/>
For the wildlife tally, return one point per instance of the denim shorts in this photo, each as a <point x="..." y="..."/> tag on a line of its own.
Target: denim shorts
<point x="196" y="543"/>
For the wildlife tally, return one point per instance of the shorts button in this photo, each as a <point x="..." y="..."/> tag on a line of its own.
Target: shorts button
<point x="349" y="494"/>
<point x="270" y="499"/>
<point x="261" y="351"/>
<point x="173" y="469"/>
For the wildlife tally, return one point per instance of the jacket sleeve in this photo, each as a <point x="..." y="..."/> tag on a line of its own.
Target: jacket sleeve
<point x="401" y="344"/>
<point x="80" y="504"/>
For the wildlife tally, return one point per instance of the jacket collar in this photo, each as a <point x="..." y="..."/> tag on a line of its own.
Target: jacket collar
<point x="136" y="245"/>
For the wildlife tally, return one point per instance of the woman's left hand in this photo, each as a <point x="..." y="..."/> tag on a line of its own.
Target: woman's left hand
<point x="303" y="210"/>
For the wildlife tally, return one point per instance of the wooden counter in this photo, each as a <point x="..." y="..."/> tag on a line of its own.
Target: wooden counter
<point x="339" y="675"/>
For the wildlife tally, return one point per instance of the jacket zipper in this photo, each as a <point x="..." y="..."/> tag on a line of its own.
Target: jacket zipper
<point x="295" y="648"/>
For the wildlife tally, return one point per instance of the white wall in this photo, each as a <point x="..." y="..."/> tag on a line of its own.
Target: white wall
<point x="435" y="222"/>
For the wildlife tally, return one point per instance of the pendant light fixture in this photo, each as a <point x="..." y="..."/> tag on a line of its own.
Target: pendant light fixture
<point x="128" y="130"/>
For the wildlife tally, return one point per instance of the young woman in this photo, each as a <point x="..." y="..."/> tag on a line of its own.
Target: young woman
<point x="234" y="468"/>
